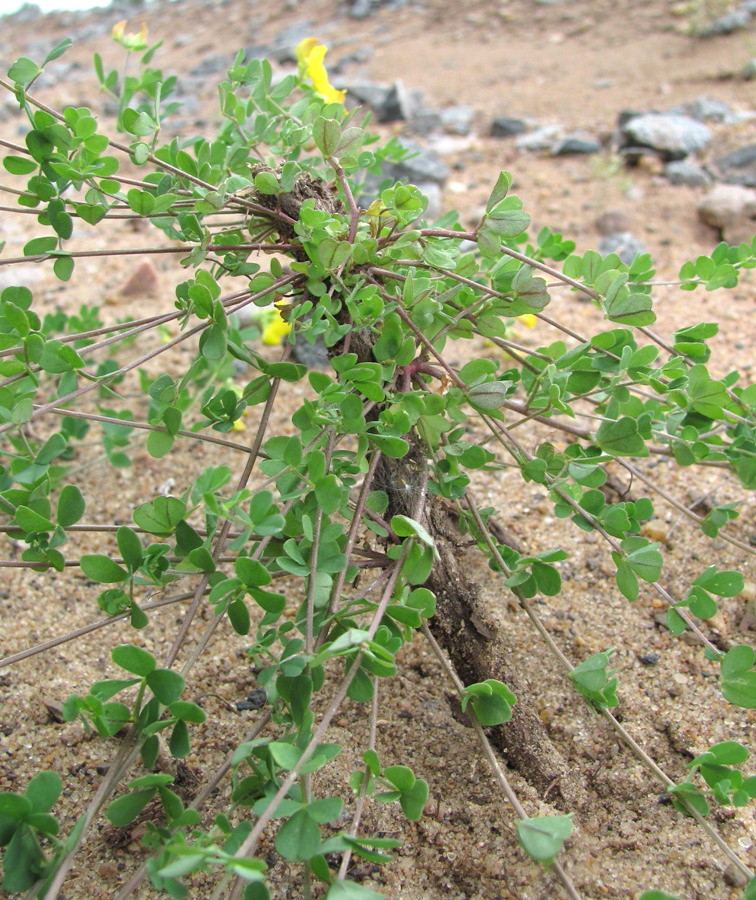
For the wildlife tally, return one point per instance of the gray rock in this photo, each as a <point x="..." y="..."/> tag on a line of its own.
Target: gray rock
<point x="575" y="143"/>
<point x="425" y="120"/>
<point x="503" y="126"/>
<point x="732" y="210"/>
<point x="727" y="23"/>
<point x="457" y="119"/>
<point x="673" y="136"/>
<point x="9" y="109"/>
<point x="682" y="171"/>
<point x="739" y="166"/>
<point x="211" y="65"/>
<point x="749" y="6"/>
<point x="425" y="166"/>
<point x="541" y="139"/>
<point x="360" y="9"/>
<point x="314" y="356"/>
<point x="624" y="244"/>
<point x="704" y="109"/>
<point x="612" y="221"/>
<point x="26" y="14"/>
<point x="285" y="44"/>
<point x="434" y="196"/>
<point x="399" y="105"/>
<point x="367" y="92"/>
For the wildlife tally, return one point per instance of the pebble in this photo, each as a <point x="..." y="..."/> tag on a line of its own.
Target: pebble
<point x="426" y="165"/>
<point x="399" y="104"/>
<point x="682" y="171"/>
<point x="211" y="65"/>
<point x="649" y="659"/>
<point x="624" y="244"/>
<point x="726" y="24"/>
<point x="673" y="136"/>
<point x="541" y="139"/>
<point x="733" y="876"/>
<point x="457" y="119"/>
<point x="575" y="143"/>
<point x="612" y="221"/>
<point x="731" y="208"/>
<point x="705" y="109"/>
<point x="504" y="127"/>
<point x="739" y="166"/>
<point x="255" y="700"/>
<point x="142" y="281"/>
<point x="656" y="530"/>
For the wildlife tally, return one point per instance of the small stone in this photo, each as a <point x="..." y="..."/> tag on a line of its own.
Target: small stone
<point x="739" y="166"/>
<point x="504" y="127"/>
<point x="726" y="24"/>
<point x="649" y="659"/>
<point x="679" y="678"/>
<point x="399" y="105"/>
<point x="210" y="65"/>
<point x="673" y="136"/>
<point x="575" y="143"/>
<point x="541" y="139"/>
<point x="624" y="244"/>
<point x="683" y="172"/>
<point x="656" y="530"/>
<point x="612" y="221"/>
<point x="360" y="9"/>
<point x="425" y="165"/>
<point x="457" y="119"/>
<point x="718" y="622"/>
<point x="732" y="209"/>
<point x="254" y="701"/>
<point x="314" y="356"/>
<point x="733" y="876"/>
<point x="368" y="92"/>
<point x="705" y="109"/>
<point x="143" y="281"/>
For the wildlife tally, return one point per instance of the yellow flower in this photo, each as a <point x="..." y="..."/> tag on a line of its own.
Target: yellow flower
<point x="310" y="55"/>
<point x="528" y="319"/>
<point x="135" y="40"/>
<point x="275" y="331"/>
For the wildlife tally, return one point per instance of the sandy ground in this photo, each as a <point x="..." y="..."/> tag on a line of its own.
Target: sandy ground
<point x="577" y="63"/>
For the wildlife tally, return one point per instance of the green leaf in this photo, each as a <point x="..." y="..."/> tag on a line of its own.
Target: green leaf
<point x="20" y="165"/>
<point x="349" y="890"/>
<point x="179" y="744"/>
<point x="594" y="680"/>
<point x="43" y="791"/>
<point x="166" y="684"/>
<point x="738" y="680"/>
<point x="160" y="516"/>
<point x="134" y="659"/>
<point x="102" y="569"/>
<point x="23" y="70"/>
<point x="723" y="584"/>
<point x="413" y="800"/>
<point x="621" y="438"/>
<point x="298" y="839"/>
<point x="542" y="837"/>
<point x="502" y="186"/>
<point x="630" y="309"/>
<point x="326" y="133"/>
<point x="125" y="809"/>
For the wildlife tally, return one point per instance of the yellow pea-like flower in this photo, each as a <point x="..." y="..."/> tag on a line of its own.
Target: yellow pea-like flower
<point x="527" y="319"/>
<point x="275" y="331"/>
<point x="311" y="56"/>
<point x="134" y="40"/>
